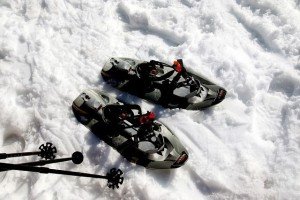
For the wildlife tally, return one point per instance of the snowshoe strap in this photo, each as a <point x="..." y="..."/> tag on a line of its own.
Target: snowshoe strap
<point x="148" y="117"/>
<point x="178" y="65"/>
<point x="115" y="114"/>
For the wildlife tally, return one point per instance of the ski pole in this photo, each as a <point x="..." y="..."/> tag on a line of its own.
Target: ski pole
<point x="114" y="176"/>
<point x="76" y="158"/>
<point x="47" y="151"/>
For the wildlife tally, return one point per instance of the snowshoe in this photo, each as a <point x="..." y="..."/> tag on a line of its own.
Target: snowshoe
<point x="171" y="86"/>
<point x="136" y="136"/>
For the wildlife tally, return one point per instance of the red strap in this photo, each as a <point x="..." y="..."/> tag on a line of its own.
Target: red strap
<point x="177" y="66"/>
<point x="149" y="116"/>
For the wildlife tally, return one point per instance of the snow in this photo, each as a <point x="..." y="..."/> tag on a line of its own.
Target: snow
<point x="247" y="147"/>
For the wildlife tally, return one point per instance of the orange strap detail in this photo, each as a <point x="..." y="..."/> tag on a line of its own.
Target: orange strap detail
<point x="177" y="66"/>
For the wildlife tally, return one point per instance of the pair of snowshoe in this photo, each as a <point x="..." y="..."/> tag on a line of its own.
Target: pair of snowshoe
<point x="139" y="137"/>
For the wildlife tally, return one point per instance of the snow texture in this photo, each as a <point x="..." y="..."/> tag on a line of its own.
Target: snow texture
<point x="247" y="147"/>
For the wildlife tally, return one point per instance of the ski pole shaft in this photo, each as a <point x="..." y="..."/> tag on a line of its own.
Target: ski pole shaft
<point x="10" y="155"/>
<point x="47" y="151"/>
<point x="46" y="170"/>
<point x="45" y="162"/>
<point x="39" y="163"/>
<point x="77" y="158"/>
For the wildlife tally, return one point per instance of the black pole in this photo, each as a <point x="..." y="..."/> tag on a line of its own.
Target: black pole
<point x="10" y="155"/>
<point x="114" y="177"/>
<point x="46" y="170"/>
<point x="37" y="163"/>
<point x="45" y="162"/>
<point x="47" y="151"/>
<point x="76" y="158"/>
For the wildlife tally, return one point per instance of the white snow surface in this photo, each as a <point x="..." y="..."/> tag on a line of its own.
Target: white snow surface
<point x="247" y="147"/>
